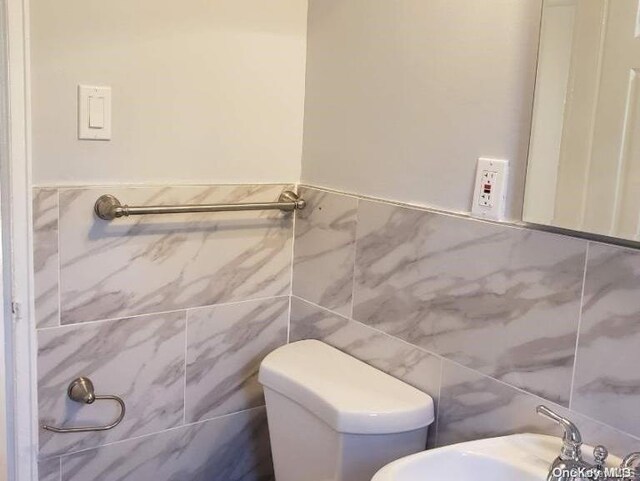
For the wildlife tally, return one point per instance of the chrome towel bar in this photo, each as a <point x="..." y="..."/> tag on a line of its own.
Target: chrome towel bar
<point x="108" y="207"/>
<point x="81" y="391"/>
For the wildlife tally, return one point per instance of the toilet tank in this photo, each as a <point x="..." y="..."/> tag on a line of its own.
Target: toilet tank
<point x="334" y="418"/>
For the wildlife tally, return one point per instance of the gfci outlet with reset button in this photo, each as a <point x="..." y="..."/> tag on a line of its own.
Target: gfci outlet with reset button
<point x="490" y="192"/>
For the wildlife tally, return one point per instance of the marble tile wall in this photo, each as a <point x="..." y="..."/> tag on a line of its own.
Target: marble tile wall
<point x="169" y="262"/>
<point x="174" y="314"/>
<point x="140" y="359"/>
<point x="45" y="257"/>
<point x="229" y="448"/>
<point x="607" y="380"/>
<point x="171" y="313"/>
<point x="225" y="345"/>
<point x="323" y="258"/>
<point x="488" y="319"/>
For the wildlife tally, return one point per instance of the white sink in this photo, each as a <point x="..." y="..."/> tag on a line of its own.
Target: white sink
<point x="520" y="457"/>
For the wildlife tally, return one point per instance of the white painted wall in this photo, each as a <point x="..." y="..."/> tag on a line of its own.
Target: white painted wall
<point x="203" y="91"/>
<point x="403" y="96"/>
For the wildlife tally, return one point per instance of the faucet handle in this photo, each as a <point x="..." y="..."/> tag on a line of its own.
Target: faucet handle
<point x="571" y="439"/>
<point x="600" y="454"/>
<point x="631" y="462"/>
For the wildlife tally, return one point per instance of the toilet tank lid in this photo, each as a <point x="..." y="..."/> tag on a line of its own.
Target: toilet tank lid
<point x="347" y="394"/>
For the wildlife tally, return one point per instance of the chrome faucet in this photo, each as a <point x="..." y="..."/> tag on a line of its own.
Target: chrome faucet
<point x="631" y="463"/>
<point x="570" y="466"/>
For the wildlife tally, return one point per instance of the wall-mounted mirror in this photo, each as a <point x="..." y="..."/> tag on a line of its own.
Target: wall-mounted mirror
<point x="584" y="157"/>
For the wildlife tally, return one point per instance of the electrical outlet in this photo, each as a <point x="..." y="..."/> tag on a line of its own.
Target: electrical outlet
<point x="490" y="192"/>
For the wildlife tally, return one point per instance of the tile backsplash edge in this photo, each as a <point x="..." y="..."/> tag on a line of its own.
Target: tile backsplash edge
<point x="517" y="224"/>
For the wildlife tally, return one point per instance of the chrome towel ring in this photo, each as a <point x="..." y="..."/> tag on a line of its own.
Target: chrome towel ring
<point x="81" y="391"/>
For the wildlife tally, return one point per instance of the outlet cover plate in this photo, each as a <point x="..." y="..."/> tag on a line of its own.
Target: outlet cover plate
<point x="490" y="193"/>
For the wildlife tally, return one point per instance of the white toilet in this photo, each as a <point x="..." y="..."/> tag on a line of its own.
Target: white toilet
<point x="334" y="418"/>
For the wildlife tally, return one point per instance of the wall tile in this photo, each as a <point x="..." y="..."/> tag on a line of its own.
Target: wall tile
<point x="49" y="470"/>
<point x="607" y="379"/>
<point x="474" y="406"/>
<point x="502" y="300"/>
<point x="170" y="262"/>
<point x="593" y="432"/>
<point x="231" y="448"/>
<point x="45" y="256"/>
<point x="391" y="355"/>
<point x="225" y="345"/>
<point x="325" y="235"/>
<point x="139" y="359"/>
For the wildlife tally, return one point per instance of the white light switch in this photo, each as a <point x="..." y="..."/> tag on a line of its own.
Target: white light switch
<point x="490" y="192"/>
<point x="94" y="113"/>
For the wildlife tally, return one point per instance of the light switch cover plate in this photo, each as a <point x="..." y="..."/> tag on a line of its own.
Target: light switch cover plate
<point x="490" y="193"/>
<point x="94" y="113"/>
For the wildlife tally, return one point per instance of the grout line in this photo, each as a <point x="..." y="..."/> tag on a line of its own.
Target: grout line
<point x="291" y="270"/>
<point x="439" y="404"/>
<point x="355" y="256"/>
<point x="330" y="190"/>
<point x="233" y="303"/>
<point x="375" y="329"/>
<point x="150" y="185"/>
<point x="581" y="307"/>
<point x="289" y="321"/>
<point x="323" y="308"/>
<point x="169" y="430"/>
<point x="58" y="287"/>
<point x="160" y="313"/>
<point x="293" y="248"/>
<point x="186" y="350"/>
